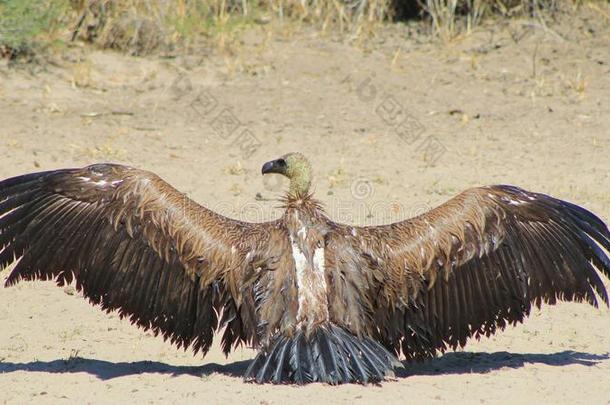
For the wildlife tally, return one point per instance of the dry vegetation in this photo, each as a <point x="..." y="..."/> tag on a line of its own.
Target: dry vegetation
<point x="28" y="27"/>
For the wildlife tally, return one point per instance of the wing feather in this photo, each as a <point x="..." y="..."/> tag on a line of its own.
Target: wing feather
<point x="476" y="264"/>
<point x="136" y="245"/>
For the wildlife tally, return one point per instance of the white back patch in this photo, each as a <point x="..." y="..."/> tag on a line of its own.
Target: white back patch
<point x="318" y="261"/>
<point x="300" y="261"/>
<point x="311" y="284"/>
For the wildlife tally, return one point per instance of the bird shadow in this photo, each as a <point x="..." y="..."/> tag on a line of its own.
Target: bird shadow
<point x="450" y="363"/>
<point x="482" y="362"/>
<point x="107" y="370"/>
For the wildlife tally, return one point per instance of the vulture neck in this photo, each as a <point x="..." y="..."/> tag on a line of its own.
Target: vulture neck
<point x="300" y="183"/>
<point x="305" y="204"/>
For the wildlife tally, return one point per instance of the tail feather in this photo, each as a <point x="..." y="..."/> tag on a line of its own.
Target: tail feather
<point x="330" y="354"/>
<point x="371" y="357"/>
<point x="332" y="366"/>
<point x="278" y="374"/>
<point x="267" y="368"/>
<point x="357" y="367"/>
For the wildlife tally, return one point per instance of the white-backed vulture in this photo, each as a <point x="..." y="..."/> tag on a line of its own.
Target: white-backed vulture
<point x="321" y="301"/>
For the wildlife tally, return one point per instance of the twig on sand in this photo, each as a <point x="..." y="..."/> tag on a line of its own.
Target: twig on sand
<point x="99" y="114"/>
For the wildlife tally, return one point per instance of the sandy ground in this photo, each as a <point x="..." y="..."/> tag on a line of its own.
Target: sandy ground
<point x="515" y="104"/>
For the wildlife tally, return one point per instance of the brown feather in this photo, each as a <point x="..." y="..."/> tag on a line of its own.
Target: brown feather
<point x="467" y="268"/>
<point x="135" y="244"/>
<point x="499" y="249"/>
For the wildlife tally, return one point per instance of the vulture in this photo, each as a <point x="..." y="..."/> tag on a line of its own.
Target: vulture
<point x="320" y="301"/>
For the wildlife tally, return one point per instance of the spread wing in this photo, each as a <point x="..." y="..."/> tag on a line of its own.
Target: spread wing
<point x="134" y="243"/>
<point x="475" y="264"/>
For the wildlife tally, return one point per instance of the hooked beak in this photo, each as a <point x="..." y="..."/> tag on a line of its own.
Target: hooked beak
<point x="274" y="166"/>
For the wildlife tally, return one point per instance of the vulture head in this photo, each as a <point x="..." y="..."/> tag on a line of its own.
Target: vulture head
<point x="296" y="167"/>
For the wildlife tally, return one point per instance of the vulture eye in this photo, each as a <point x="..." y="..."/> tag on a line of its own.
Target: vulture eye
<point x="281" y="162"/>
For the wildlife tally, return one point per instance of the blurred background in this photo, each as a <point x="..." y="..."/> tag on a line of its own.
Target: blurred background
<point x="399" y="105"/>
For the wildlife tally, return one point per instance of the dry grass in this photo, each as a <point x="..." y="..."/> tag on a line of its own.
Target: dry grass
<point x="142" y="26"/>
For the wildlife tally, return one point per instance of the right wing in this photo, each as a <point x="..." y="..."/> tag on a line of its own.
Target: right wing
<point x="134" y="243"/>
<point x="473" y="265"/>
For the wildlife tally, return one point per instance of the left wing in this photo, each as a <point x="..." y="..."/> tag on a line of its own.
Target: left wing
<point x="470" y="266"/>
<point x="135" y="244"/>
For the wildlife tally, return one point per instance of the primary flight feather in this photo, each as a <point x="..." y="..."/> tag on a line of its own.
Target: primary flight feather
<point x="321" y="301"/>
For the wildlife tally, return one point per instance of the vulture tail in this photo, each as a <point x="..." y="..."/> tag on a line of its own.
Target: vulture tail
<point x="329" y="355"/>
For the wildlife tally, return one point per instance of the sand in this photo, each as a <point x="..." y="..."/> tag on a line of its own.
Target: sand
<point x="513" y="104"/>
